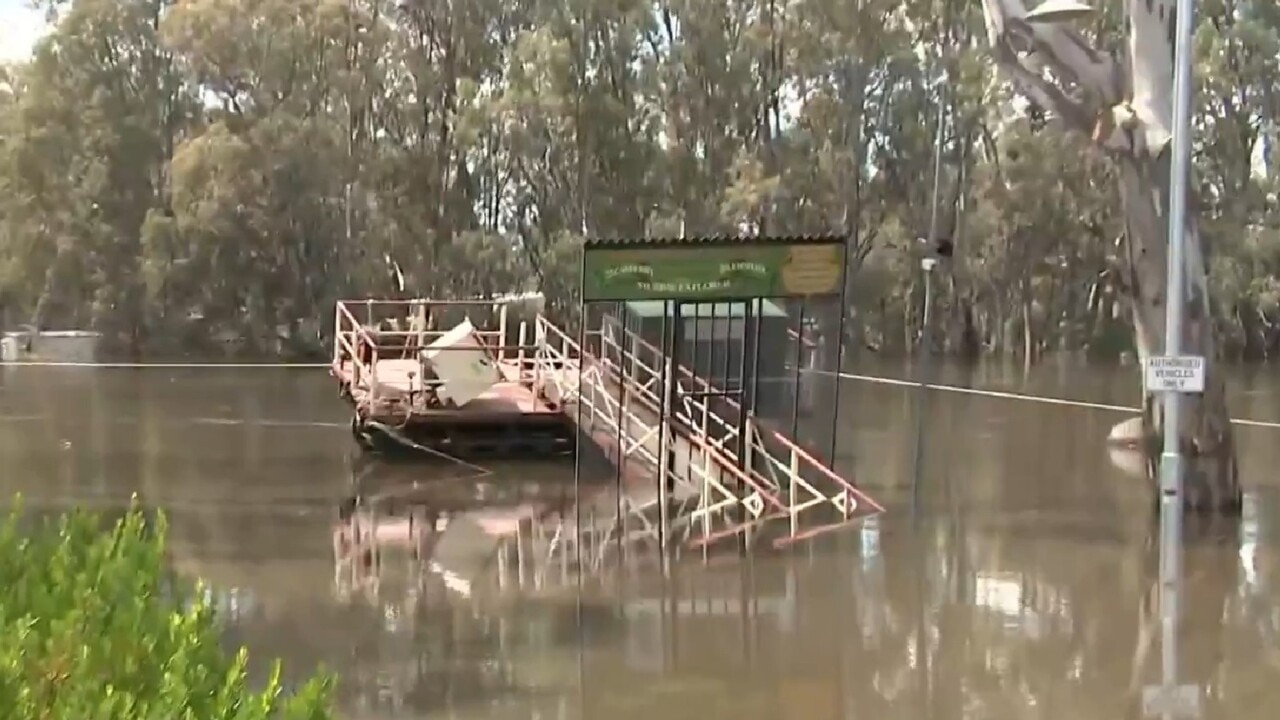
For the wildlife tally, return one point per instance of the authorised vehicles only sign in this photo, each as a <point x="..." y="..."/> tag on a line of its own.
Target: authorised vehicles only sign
<point x="1181" y="374"/>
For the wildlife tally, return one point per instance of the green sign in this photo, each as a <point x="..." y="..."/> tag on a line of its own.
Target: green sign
<point x="709" y="272"/>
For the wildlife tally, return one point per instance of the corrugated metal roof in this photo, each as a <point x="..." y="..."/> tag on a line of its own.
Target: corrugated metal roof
<point x="707" y="310"/>
<point x="641" y="243"/>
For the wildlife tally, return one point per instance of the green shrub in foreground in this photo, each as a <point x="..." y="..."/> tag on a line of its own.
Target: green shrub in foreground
<point x="90" y="630"/>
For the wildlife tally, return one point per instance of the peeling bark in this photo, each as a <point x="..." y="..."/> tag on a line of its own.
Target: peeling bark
<point x="1124" y="103"/>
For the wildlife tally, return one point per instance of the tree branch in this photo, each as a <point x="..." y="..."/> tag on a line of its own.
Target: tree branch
<point x="1127" y="101"/>
<point x="1053" y="65"/>
<point x="1151" y="35"/>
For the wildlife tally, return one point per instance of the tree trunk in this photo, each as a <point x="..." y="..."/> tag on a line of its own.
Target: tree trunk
<point x="1212" y="481"/>
<point x="1125" y="103"/>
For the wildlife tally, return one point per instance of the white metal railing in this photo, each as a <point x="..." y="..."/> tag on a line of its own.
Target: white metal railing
<point x="582" y="384"/>
<point x="595" y="389"/>
<point x="780" y="477"/>
<point x="778" y="452"/>
<point x="691" y="409"/>
<point x="349" y="339"/>
<point x="596" y="383"/>
<point x="362" y="338"/>
<point x="616" y="388"/>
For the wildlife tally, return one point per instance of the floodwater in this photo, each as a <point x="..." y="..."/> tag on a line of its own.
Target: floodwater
<point x="1022" y="586"/>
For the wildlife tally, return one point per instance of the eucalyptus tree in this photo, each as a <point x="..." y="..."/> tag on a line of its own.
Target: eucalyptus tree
<point x="1123" y="100"/>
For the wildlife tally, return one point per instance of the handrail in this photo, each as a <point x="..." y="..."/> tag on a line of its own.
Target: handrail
<point x="751" y="477"/>
<point x="629" y="417"/>
<point x="355" y="339"/>
<point x="652" y="396"/>
<point x="611" y="406"/>
<point x="346" y="339"/>
<point x="418" y="346"/>
<point x="731" y="432"/>
<point x="356" y="325"/>
<point x="684" y="411"/>
<point x="726" y="462"/>
<point x="392" y="302"/>
<point x="801" y="458"/>
<point x="791" y="446"/>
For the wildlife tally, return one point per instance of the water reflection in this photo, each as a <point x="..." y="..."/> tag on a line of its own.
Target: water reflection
<point x="1025" y="588"/>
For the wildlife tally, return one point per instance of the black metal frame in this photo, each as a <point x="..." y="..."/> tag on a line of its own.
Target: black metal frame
<point x="746" y="393"/>
<point x="671" y="348"/>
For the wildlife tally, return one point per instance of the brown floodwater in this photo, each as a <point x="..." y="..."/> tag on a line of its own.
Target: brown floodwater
<point x="1021" y="585"/>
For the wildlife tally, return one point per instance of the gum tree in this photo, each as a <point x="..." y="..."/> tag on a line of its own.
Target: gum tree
<point x="1123" y="100"/>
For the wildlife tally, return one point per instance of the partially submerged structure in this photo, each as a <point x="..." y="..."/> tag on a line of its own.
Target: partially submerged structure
<point x="685" y="373"/>
<point x="462" y="392"/>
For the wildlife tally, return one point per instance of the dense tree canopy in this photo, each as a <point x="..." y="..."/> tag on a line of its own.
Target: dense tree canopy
<point x="176" y="171"/>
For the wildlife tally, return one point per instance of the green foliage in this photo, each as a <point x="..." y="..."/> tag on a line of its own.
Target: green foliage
<point x="175" y="172"/>
<point x="90" y="629"/>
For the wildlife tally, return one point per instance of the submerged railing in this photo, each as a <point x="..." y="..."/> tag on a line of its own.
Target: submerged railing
<point x="799" y="469"/>
<point x="747" y="464"/>
<point x="369" y="331"/>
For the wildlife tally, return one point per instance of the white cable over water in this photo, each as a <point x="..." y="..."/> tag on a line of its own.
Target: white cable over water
<point x="168" y="365"/>
<point x="229" y="422"/>
<point x="1005" y="395"/>
<point x="874" y="379"/>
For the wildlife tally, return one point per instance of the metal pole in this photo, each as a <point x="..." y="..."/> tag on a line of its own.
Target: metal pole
<point x="622" y="423"/>
<point x="795" y="389"/>
<point x="1175" y="297"/>
<point x="744" y="399"/>
<point x="728" y="345"/>
<point x="695" y="366"/>
<point x="754" y="408"/>
<point x="586" y="435"/>
<point x="740" y="444"/>
<point x="843" y="309"/>
<point x="937" y="170"/>
<point x="926" y="331"/>
<point x="922" y="383"/>
<point x="670" y="338"/>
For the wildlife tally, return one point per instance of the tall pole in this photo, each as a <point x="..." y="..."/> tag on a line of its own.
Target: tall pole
<point x="1175" y="298"/>
<point x="926" y="321"/>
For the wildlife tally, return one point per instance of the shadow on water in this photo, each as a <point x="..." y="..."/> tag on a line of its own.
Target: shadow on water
<point x="1024" y="586"/>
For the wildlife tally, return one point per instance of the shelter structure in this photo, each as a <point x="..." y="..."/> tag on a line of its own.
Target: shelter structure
<point x="689" y="374"/>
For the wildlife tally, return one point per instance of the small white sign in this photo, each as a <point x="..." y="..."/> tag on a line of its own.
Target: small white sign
<point x="1181" y="374"/>
<point x="1181" y="701"/>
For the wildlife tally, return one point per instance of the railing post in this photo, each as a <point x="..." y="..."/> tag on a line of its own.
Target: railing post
<point x="421" y="312"/>
<point x="706" y="403"/>
<point x="792" y="473"/>
<point x="708" y="497"/>
<point x="630" y="360"/>
<point x="705" y="437"/>
<point x="539" y="355"/>
<point x="664" y="450"/>
<point x="502" y="332"/>
<point x="591" y="425"/>
<point x="521" y="340"/>
<point x="337" y="333"/>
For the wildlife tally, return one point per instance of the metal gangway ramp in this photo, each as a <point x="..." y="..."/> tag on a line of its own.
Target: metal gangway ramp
<point x="722" y="479"/>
